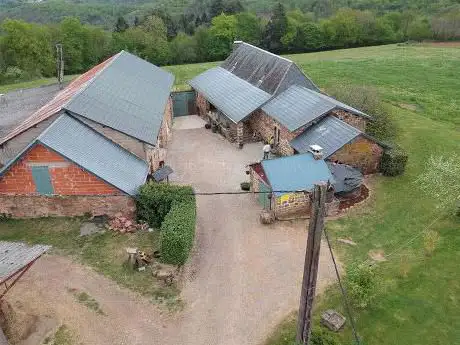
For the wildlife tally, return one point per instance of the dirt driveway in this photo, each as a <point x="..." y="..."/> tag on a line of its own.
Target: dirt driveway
<point x="245" y="276"/>
<point x="242" y="281"/>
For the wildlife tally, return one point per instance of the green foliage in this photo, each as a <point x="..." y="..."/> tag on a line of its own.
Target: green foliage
<point x="154" y="201"/>
<point x="178" y="233"/>
<point x="321" y="336"/>
<point x="276" y="29"/>
<point x="249" y="28"/>
<point x="361" y="284"/>
<point x="184" y="48"/>
<point x="121" y="25"/>
<point x="222" y="35"/>
<point x="393" y="162"/>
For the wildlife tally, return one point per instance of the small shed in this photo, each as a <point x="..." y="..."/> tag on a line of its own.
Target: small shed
<point x="283" y="184"/>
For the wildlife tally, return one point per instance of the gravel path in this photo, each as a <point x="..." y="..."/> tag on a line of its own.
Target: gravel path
<point x="242" y="281"/>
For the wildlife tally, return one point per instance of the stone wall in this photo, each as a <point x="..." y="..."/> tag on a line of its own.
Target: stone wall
<point x="202" y="105"/>
<point x="292" y="204"/>
<point x="157" y="154"/>
<point x="352" y="119"/>
<point x="265" y="126"/>
<point x="31" y="206"/>
<point x="66" y="177"/>
<point x="361" y="153"/>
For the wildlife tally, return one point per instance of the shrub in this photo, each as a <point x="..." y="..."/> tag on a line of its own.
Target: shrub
<point x="393" y="162"/>
<point x="155" y="200"/>
<point x="320" y="336"/>
<point x="361" y="284"/>
<point x="178" y="233"/>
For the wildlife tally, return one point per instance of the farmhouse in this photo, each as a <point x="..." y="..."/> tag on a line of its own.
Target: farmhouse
<point x="91" y="147"/>
<point x="256" y="95"/>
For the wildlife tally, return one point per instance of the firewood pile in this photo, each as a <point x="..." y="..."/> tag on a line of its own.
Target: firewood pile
<point x="125" y="225"/>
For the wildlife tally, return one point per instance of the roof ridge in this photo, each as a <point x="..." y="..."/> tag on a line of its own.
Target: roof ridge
<point x="268" y="52"/>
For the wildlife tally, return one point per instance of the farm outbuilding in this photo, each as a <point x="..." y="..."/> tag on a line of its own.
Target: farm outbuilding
<point x="256" y="95"/>
<point x="90" y="148"/>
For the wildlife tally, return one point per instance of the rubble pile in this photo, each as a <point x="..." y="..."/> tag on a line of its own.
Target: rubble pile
<point x="125" y="225"/>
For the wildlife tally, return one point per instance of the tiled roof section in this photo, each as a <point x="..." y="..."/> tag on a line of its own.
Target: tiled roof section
<point x="129" y="96"/>
<point x="265" y="70"/>
<point x="14" y="256"/>
<point x="295" y="173"/>
<point x="95" y="153"/>
<point x="299" y="106"/>
<point x="59" y="101"/>
<point x="330" y="133"/>
<point x="233" y="96"/>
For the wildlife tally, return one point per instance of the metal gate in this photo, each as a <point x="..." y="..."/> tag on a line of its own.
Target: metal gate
<point x="184" y="103"/>
<point x="264" y="200"/>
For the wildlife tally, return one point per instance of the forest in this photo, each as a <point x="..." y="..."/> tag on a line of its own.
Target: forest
<point x="180" y="32"/>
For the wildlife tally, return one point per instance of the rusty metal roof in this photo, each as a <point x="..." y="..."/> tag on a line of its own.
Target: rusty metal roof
<point x="14" y="256"/>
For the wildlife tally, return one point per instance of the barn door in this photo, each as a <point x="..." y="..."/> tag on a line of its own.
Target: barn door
<point x="184" y="103"/>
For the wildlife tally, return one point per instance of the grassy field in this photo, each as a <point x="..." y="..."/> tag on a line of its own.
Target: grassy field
<point x="104" y="252"/>
<point x="418" y="299"/>
<point x="33" y="83"/>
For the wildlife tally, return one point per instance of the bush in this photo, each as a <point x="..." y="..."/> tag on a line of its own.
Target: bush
<point x="155" y="200"/>
<point x="361" y="284"/>
<point x="320" y="336"/>
<point x="393" y="162"/>
<point x="178" y="233"/>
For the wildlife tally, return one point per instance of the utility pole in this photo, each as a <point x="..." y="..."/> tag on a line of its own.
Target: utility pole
<point x="59" y="64"/>
<point x="310" y="272"/>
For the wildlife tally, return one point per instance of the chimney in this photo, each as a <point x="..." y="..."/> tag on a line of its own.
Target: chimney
<point x="317" y="151"/>
<point x="236" y="44"/>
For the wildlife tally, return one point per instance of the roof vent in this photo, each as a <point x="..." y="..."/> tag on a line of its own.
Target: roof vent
<point x="236" y="44"/>
<point x="317" y="151"/>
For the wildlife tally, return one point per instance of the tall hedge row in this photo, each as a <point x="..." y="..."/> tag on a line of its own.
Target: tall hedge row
<point x="154" y="201"/>
<point x="178" y="233"/>
<point x="172" y="209"/>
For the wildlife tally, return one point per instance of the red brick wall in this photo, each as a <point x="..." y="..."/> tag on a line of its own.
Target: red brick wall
<point x="202" y="105"/>
<point x="361" y="153"/>
<point x="31" y="206"/>
<point x="66" y="177"/>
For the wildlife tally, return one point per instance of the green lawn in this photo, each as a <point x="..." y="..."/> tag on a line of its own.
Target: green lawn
<point x="104" y="252"/>
<point x="418" y="301"/>
<point x="33" y="83"/>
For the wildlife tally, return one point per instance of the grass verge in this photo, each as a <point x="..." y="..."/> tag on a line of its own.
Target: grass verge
<point x="33" y="83"/>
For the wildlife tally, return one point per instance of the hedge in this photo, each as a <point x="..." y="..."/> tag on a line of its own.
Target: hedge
<point x="154" y="201"/>
<point x="172" y="209"/>
<point x="178" y="233"/>
<point x="393" y="162"/>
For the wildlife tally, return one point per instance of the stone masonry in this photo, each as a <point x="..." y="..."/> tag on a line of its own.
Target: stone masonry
<point x="353" y="120"/>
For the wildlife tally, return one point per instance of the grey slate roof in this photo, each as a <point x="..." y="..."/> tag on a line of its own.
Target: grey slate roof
<point x="96" y="154"/>
<point x="346" y="178"/>
<point x="330" y="133"/>
<point x="129" y="95"/>
<point x="233" y="96"/>
<point x="14" y="256"/>
<point x="265" y="70"/>
<point x="299" y="106"/>
<point x="93" y="152"/>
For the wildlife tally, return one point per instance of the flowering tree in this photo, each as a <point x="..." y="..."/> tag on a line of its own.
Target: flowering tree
<point x="441" y="180"/>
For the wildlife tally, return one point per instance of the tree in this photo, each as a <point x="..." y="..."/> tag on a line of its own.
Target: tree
<point x="233" y="7"/>
<point x="202" y="39"/>
<point x="419" y="29"/>
<point x="184" y="49"/>
<point x="222" y="35"/>
<point x="156" y="41"/>
<point x="249" y="28"/>
<point x="72" y="37"/>
<point x="216" y="8"/>
<point x="276" y="29"/>
<point x="121" y="25"/>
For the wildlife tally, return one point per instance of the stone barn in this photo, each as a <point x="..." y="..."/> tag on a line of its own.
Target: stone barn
<point x="256" y="95"/>
<point x="89" y="149"/>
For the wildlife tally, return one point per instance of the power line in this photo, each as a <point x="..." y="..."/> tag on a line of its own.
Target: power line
<point x="344" y="293"/>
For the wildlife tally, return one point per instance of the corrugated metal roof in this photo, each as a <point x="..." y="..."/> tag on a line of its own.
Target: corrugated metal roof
<point x="14" y="256"/>
<point x="233" y="96"/>
<point x="299" y="106"/>
<point x="296" y="173"/>
<point x="59" y="101"/>
<point x="263" y="69"/>
<point x="95" y="153"/>
<point x="330" y="133"/>
<point x="130" y="96"/>
<point x="346" y="178"/>
<point x="124" y="92"/>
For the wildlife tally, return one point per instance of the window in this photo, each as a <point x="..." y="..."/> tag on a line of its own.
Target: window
<point x="276" y="135"/>
<point x="42" y="180"/>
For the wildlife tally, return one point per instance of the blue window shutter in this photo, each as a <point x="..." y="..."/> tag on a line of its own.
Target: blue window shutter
<point x="42" y="180"/>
